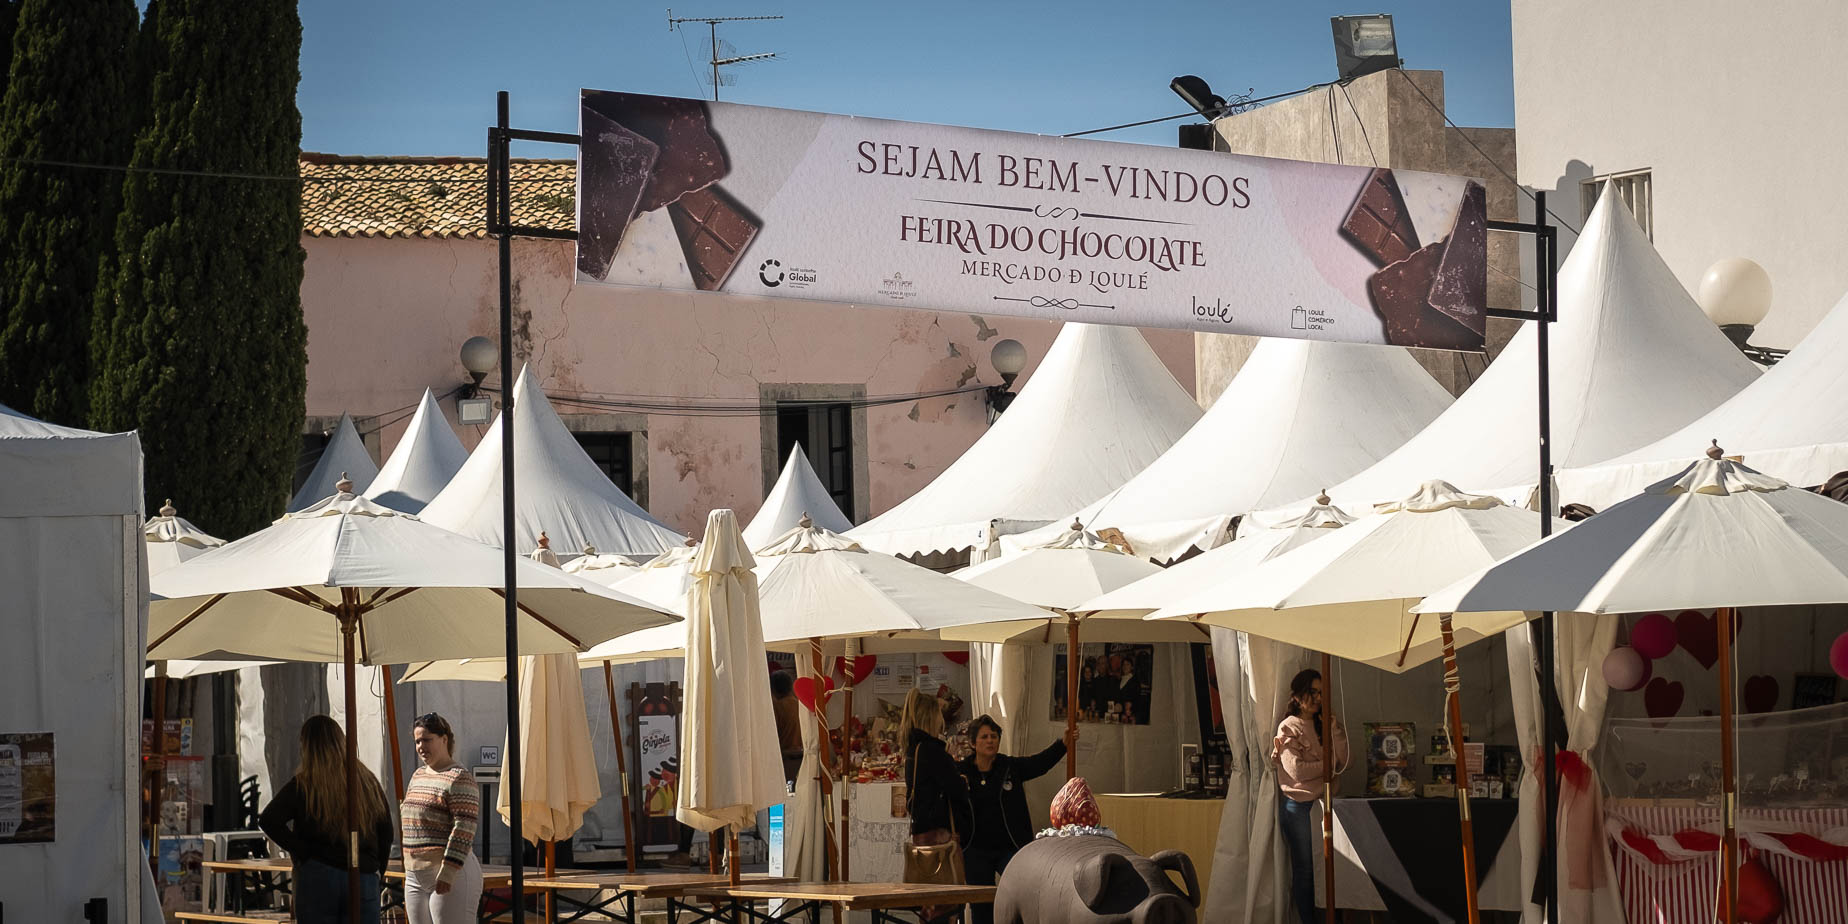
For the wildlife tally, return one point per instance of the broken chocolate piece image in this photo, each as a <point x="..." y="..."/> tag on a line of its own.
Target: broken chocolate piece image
<point x="1461" y="289"/>
<point x="1378" y="223"/>
<point x="1399" y="294"/>
<point x="614" y="165"/>
<point x="691" y="158"/>
<point x="714" y="232"/>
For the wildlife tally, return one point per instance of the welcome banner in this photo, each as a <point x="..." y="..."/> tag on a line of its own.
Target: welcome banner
<point x="748" y="200"/>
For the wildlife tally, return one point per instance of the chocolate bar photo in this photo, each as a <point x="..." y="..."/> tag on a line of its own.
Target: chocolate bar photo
<point x="1461" y="289"/>
<point x="1378" y="223"/>
<point x="714" y="231"/>
<point x="614" y="166"/>
<point x="691" y="158"/>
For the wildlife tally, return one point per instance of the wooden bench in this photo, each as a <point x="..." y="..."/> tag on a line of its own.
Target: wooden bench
<point x="229" y="918"/>
<point x="806" y="899"/>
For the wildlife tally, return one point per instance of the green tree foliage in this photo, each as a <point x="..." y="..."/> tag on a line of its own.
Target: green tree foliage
<point x="199" y="340"/>
<point x="71" y="70"/>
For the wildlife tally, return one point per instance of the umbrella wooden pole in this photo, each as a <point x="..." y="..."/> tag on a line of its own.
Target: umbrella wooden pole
<point x="732" y="860"/>
<point x="853" y="661"/>
<point x="1729" y="840"/>
<point x="826" y="764"/>
<point x="349" y="624"/>
<point x="1071" y="696"/>
<point x="551" y="869"/>
<point x="157" y="764"/>
<point x="629" y="848"/>
<point x="1328" y="787"/>
<point x="1453" y="694"/>
<point x="391" y="722"/>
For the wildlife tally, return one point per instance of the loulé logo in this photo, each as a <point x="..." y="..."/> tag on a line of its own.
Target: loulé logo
<point x="770" y="273"/>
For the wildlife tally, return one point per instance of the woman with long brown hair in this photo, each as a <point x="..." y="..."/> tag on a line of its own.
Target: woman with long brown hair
<point x="936" y="793"/>
<point x="308" y="818"/>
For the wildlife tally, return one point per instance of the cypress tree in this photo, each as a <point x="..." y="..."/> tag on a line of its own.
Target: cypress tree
<point x="200" y="342"/>
<point x="72" y="66"/>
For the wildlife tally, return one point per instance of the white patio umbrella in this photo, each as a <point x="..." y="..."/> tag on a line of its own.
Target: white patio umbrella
<point x="558" y="768"/>
<point x="604" y="569"/>
<point x="732" y="766"/>
<point x="1176" y="583"/>
<point x="1057" y="576"/>
<point x="1718" y="534"/>
<point x="1349" y="594"/>
<point x="350" y="581"/>
<point x="171" y="539"/>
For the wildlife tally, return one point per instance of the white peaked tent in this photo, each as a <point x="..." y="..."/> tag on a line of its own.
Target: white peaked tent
<point x="1792" y="423"/>
<point x="427" y="456"/>
<point x="796" y="494"/>
<point x="559" y="490"/>
<point x="1099" y="409"/>
<point x="344" y="456"/>
<point x="74" y="598"/>
<point x="1300" y="416"/>
<point x="1633" y="359"/>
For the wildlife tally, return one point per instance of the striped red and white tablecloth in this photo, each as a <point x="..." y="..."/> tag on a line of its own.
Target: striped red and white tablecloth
<point x="1686" y="892"/>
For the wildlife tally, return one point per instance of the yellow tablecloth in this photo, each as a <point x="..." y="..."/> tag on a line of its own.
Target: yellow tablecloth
<point x="1149" y="823"/>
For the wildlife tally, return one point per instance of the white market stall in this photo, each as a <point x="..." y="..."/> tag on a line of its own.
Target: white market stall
<point x="797" y="493"/>
<point x="426" y="457"/>
<point x="71" y="560"/>
<point x="1100" y="408"/>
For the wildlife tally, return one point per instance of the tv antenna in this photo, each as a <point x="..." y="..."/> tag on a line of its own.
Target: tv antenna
<point x="712" y="28"/>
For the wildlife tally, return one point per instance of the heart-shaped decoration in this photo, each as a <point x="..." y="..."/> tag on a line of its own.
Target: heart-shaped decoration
<point x="814" y="693"/>
<point x="1661" y="698"/>
<point x="959" y="658"/>
<point x="1761" y="899"/>
<point x="862" y="667"/>
<point x="1760" y="693"/>
<point x="1635" y="770"/>
<point x="1697" y="633"/>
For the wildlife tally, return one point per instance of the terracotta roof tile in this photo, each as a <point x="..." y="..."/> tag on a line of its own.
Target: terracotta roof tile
<point x="427" y="197"/>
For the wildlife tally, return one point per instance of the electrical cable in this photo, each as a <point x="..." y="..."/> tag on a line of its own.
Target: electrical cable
<point x="1194" y="112"/>
<point x="1485" y="157"/>
<point x="1360" y="122"/>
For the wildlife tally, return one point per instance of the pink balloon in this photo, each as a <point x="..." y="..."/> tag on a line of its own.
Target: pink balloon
<point x="1625" y="669"/>
<point x="1838" y="654"/>
<point x="1653" y="636"/>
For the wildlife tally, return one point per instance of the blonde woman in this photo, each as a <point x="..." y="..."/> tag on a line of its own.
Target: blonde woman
<point x="308" y="818"/>
<point x="935" y="791"/>
<point x="442" y="806"/>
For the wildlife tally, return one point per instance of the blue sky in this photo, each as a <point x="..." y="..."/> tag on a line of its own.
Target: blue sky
<point x="419" y="76"/>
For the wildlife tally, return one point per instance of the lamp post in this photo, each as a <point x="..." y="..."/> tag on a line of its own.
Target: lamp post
<point x="1735" y="293"/>
<point x="478" y="357"/>
<point x="1009" y="358"/>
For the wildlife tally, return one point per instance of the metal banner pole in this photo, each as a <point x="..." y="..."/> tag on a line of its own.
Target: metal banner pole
<point x="499" y="217"/>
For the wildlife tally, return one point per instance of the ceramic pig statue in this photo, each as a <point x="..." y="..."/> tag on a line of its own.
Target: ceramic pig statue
<point x="1094" y="879"/>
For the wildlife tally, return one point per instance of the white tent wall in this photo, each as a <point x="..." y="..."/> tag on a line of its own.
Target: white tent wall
<point x="369" y="696"/>
<point x="72" y="564"/>
<point x="273" y="702"/>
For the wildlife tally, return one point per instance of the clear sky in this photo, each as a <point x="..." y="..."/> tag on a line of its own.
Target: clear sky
<point x="419" y="76"/>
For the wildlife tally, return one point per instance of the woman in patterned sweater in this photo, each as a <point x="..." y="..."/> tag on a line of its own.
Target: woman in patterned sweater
<point x="441" y="807"/>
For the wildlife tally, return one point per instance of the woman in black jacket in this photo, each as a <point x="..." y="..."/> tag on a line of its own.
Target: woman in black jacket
<point x="998" y="794"/>
<point x="935" y="793"/>
<point x="308" y="818"/>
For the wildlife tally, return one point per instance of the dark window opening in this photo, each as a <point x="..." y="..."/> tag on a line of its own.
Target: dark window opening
<point x="313" y="445"/>
<point x="611" y="452"/>
<point x="826" y="434"/>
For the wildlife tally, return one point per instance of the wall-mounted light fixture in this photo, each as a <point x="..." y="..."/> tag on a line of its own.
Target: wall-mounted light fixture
<point x="1009" y="358"/>
<point x="478" y="357"/>
<point x="1736" y="295"/>
<point x="1364" y="44"/>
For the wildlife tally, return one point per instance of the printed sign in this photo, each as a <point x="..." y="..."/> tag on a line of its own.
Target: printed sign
<point x="660" y="763"/>
<point x="28" y="788"/>
<point x="746" y="200"/>
<point x="1114" y="683"/>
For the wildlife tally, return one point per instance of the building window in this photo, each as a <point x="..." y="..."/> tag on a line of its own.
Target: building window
<point x="314" y="443"/>
<point x="826" y="434"/>
<point x="614" y="453"/>
<point x="1633" y="187"/>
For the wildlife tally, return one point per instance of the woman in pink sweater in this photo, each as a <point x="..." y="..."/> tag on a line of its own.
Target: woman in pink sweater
<point x="1302" y="774"/>
<point x="442" y="806"/>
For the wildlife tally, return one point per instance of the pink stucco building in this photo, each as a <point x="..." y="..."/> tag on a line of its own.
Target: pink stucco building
<point x="676" y="395"/>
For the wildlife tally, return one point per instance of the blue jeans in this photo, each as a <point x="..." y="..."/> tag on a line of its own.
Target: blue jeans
<point x="321" y="894"/>
<point x="1295" y="818"/>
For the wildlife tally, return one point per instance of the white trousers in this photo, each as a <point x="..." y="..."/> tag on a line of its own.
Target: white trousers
<point x="458" y="906"/>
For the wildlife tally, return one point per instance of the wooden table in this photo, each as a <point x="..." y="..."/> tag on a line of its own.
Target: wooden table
<point x="806" y="899"/>
<point x="492" y="877"/>
<point x="628" y="887"/>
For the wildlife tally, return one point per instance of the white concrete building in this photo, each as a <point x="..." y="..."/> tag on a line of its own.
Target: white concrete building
<point x="1725" y="124"/>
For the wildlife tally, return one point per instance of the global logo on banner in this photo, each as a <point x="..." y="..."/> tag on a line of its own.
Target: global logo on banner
<point x="679" y="194"/>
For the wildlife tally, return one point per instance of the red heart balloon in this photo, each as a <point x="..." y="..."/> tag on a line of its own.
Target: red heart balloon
<point x="810" y="692"/>
<point x="960" y="658"/>
<point x="1761" y="899"/>
<point x="1662" y="698"/>
<point x="1697" y="633"/>
<point x="862" y="667"/>
<point x="1760" y="693"/>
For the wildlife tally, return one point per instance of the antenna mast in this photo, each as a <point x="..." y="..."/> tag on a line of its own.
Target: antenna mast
<point x="712" y="28"/>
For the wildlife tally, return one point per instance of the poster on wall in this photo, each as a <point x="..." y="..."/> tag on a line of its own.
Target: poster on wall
<point x="660" y="748"/>
<point x="28" y="788"/>
<point x="1207" y="704"/>
<point x="1115" y="683"/>
<point x="691" y="195"/>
